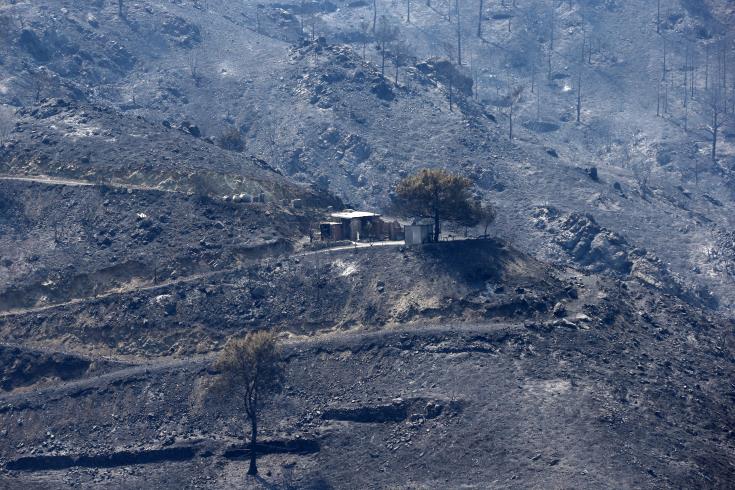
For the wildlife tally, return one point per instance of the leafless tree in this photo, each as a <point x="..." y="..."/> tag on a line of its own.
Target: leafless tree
<point x="192" y="61"/>
<point x="579" y="82"/>
<point x="512" y="99"/>
<point x="552" y="26"/>
<point x="375" y="15"/>
<point x="364" y="36"/>
<point x="258" y="13"/>
<point x="448" y="50"/>
<point x="706" y="67"/>
<point x="386" y="33"/>
<point x="459" y="35"/>
<point x="401" y="54"/>
<point x="479" y="19"/>
<point x="7" y="123"/>
<point x="714" y="106"/>
<point x="642" y="172"/>
<point x="579" y="95"/>
<point x="309" y="21"/>
<point x="121" y="8"/>
<point x="39" y="82"/>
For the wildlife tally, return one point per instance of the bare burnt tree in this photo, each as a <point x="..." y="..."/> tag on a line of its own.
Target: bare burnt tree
<point x="714" y="108"/>
<point x="552" y="26"/>
<point x="401" y="55"/>
<point x="7" y="123"/>
<point x="579" y="82"/>
<point x="258" y="13"/>
<point x="375" y="15"/>
<point x="447" y="49"/>
<point x="38" y="82"/>
<point x="512" y="99"/>
<point x="550" y="47"/>
<point x="479" y="19"/>
<point x="642" y="170"/>
<point x="192" y="62"/>
<point x="459" y="35"/>
<point x="386" y="33"/>
<point x="364" y="35"/>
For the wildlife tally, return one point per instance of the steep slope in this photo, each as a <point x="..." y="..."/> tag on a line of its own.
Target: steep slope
<point x="621" y="398"/>
<point x="228" y="65"/>
<point x="357" y="134"/>
<point x="329" y="290"/>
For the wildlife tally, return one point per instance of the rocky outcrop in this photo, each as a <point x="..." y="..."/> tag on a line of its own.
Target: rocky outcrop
<point x="444" y="71"/>
<point x="599" y="250"/>
<point x="590" y="245"/>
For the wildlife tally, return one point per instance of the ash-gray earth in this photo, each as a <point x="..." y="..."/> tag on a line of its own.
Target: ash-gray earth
<point x="167" y="171"/>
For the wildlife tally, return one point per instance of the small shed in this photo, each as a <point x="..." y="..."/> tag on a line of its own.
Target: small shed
<point x="418" y="234"/>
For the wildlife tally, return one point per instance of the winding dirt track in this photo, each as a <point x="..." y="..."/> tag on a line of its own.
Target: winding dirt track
<point x="46" y="179"/>
<point x="186" y="279"/>
<point x="295" y="346"/>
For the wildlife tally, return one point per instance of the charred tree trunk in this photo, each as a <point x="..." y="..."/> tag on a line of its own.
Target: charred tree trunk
<point x="459" y="36"/>
<point x="579" y="95"/>
<point x="437" y="221"/>
<point x="253" y="469"/>
<point x="382" y="60"/>
<point x="479" y="19"/>
<point x="510" y="133"/>
<point x="375" y="14"/>
<point x="715" y="127"/>
<point x="451" y="87"/>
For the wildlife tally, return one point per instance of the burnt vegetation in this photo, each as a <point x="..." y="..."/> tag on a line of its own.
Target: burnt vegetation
<point x="207" y="278"/>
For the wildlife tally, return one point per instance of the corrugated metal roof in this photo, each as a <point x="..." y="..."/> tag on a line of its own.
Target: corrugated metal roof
<point x="353" y="215"/>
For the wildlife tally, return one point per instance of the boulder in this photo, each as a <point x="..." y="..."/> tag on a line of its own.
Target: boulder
<point x="382" y="90"/>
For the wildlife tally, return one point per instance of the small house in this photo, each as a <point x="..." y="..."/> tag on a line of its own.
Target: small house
<point x="359" y="225"/>
<point x="351" y="225"/>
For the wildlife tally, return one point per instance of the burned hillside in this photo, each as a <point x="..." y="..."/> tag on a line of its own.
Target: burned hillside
<point x="440" y="244"/>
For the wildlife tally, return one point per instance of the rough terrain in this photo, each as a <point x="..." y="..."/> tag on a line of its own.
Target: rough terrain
<point x="162" y="171"/>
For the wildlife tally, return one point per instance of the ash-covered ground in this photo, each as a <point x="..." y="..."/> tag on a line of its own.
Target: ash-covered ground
<point x="164" y="168"/>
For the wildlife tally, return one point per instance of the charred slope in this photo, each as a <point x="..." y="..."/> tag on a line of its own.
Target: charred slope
<point x="617" y="404"/>
<point x="357" y="133"/>
<point x="99" y="144"/>
<point x="347" y="290"/>
<point x="63" y="241"/>
<point x="368" y="288"/>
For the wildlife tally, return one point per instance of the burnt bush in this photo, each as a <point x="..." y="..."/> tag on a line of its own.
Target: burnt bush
<point x="232" y="140"/>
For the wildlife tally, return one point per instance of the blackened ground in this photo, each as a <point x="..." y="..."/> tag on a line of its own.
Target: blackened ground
<point x="352" y="289"/>
<point x="618" y="406"/>
<point x="65" y="241"/>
